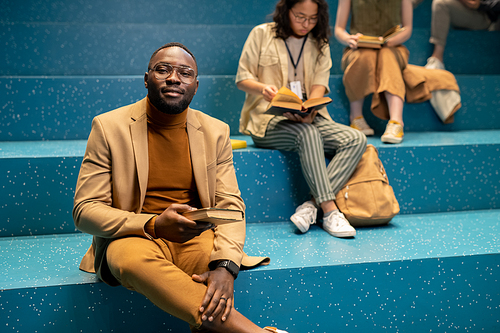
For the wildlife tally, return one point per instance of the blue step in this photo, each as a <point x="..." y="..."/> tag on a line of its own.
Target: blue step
<point x="62" y="108"/>
<point x="35" y="49"/>
<point x="429" y="171"/>
<point x="133" y="12"/>
<point x="420" y="273"/>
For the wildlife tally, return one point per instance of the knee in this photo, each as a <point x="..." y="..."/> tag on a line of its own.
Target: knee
<point x="308" y="133"/>
<point x="440" y="5"/>
<point x="360" y="140"/>
<point x="123" y="257"/>
<point x="365" y="59"/>
<point x="357" y="139"/>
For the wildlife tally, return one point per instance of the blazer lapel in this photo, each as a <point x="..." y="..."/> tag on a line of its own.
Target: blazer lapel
<point x="139" y="135"/>
<point x="198" y="158"/>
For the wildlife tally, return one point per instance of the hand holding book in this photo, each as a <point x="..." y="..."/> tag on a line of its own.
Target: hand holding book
<point x="214" y="215"/>
<point x="286" y="101"/>
<point x="376" y="42"/>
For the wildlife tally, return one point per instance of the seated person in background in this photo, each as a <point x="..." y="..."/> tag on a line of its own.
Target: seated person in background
<point x="369" y="71"/>
<point x="294" y="50"/>
<point x="145" y="164"/>
<point x="463" y="14"/>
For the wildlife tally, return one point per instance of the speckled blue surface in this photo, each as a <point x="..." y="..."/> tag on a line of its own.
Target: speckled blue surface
<point x="429" y="171"/>
<point x="62" y="108"/>
<point x="63" y="49"/>
<point x="440" y="269"/>
<point x="64" y="62"/>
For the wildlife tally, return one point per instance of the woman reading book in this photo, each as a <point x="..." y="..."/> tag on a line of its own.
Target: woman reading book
<point x="293" y="51"/>
<point x="375" y="70"/>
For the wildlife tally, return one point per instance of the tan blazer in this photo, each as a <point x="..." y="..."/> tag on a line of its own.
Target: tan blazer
<point x="265" y="59"/>
<point x="113" y="179"/>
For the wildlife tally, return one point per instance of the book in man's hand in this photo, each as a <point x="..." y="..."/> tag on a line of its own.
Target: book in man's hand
<point x="215" y="216"/>
<point x="376" y="42"/>
<point x="287" y="101"/>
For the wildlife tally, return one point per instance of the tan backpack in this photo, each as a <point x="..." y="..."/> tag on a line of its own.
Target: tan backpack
<point x="367" y="199"/>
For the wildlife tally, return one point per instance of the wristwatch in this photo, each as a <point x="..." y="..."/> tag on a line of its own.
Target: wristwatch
<point x="230" y="266"/>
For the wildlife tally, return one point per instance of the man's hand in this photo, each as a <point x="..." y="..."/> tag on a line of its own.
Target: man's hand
<point x="219" y="296"/>
<point x="176" y="228"/>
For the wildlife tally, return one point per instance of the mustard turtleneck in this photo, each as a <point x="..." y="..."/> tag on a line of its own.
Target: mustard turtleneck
<point x="171" y="177"/>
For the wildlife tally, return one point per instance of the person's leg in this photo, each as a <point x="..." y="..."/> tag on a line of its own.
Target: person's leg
<point x="440" y="26"/>
<point x="346" y="145"/>
<point x="446" y="14"/>
<point x="390" y="65"/>
<point x="395" y="104"/>
<point x="359" y="81"/>
<point x="150" y="268"/>
<point x="306" y="140"/>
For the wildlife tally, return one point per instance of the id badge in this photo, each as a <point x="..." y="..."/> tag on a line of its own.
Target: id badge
<point x="296" y="88"/>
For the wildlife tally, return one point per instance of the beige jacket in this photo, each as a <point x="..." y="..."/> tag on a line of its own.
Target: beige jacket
<point x="113" y="179"/>
<point x="265" y="59"/>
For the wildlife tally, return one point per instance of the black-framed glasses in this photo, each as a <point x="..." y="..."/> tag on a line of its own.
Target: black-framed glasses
<point x="162" y="71"/>
<point x="301" y="19"/>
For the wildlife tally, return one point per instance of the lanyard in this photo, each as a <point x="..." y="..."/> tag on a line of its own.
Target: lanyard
<point x="300" y="54"/>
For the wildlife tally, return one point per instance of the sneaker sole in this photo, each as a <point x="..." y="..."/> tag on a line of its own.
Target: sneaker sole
<point x="303" y="229"/>
<point x="368" y="132"/>
<point x="391" y="140"/>
<point x="342" y="234"/>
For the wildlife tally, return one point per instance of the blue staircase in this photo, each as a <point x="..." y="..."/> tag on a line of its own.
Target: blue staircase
<point x="434" y="268"/>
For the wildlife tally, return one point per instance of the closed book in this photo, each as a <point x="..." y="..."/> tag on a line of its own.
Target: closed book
<point x="216" y="216"/>
<point x="375" y="42"/>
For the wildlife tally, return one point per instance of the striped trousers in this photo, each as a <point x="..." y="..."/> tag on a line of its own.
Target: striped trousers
<point x="312" y="142"/>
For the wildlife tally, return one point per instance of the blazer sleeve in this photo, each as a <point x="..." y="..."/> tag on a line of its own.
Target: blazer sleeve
<point x="93" y="210"/>
<point x="229" y="238"/>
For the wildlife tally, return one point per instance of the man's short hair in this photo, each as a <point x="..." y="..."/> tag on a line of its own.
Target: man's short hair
<point x="173" y="44"/>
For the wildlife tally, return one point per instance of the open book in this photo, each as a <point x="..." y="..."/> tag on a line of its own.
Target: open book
<point x="216" y="216"/>
<point x="375" y="42"/>
<point x="286" y="101"/>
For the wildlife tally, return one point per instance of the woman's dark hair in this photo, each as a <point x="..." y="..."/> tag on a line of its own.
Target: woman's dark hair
<point x="321" y="31"/>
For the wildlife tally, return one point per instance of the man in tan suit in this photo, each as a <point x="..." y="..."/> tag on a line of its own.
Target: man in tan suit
<point x="145" y="164"/>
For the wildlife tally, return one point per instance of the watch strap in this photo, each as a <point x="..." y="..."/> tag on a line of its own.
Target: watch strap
<point x="230" y="266"/>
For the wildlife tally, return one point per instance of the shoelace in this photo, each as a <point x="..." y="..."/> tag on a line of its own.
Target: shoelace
<point x="310" y="211"/>
<point x="341" y="221"/>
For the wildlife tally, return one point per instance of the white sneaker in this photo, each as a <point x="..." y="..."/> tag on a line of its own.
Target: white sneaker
<point x="304" y="216"/>
<point x="393" y="133"/>
<point x="337" y="225"/>
<point x="360" y="124"/>
<point x="434" y="63"/>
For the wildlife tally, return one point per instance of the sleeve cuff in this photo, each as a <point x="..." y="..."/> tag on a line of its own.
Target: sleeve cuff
<point x="149" y="227"/>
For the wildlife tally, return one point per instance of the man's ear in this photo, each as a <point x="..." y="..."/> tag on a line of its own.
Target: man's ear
<point x="146" y="75"/>
<point x="197" y="85"/>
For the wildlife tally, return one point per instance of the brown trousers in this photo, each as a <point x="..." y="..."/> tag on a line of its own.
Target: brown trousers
<point x="161" y="271"/>
<point x="374" y="71"/>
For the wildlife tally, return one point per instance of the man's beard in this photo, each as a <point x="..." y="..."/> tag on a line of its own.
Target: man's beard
<point x="173" y="108"/>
